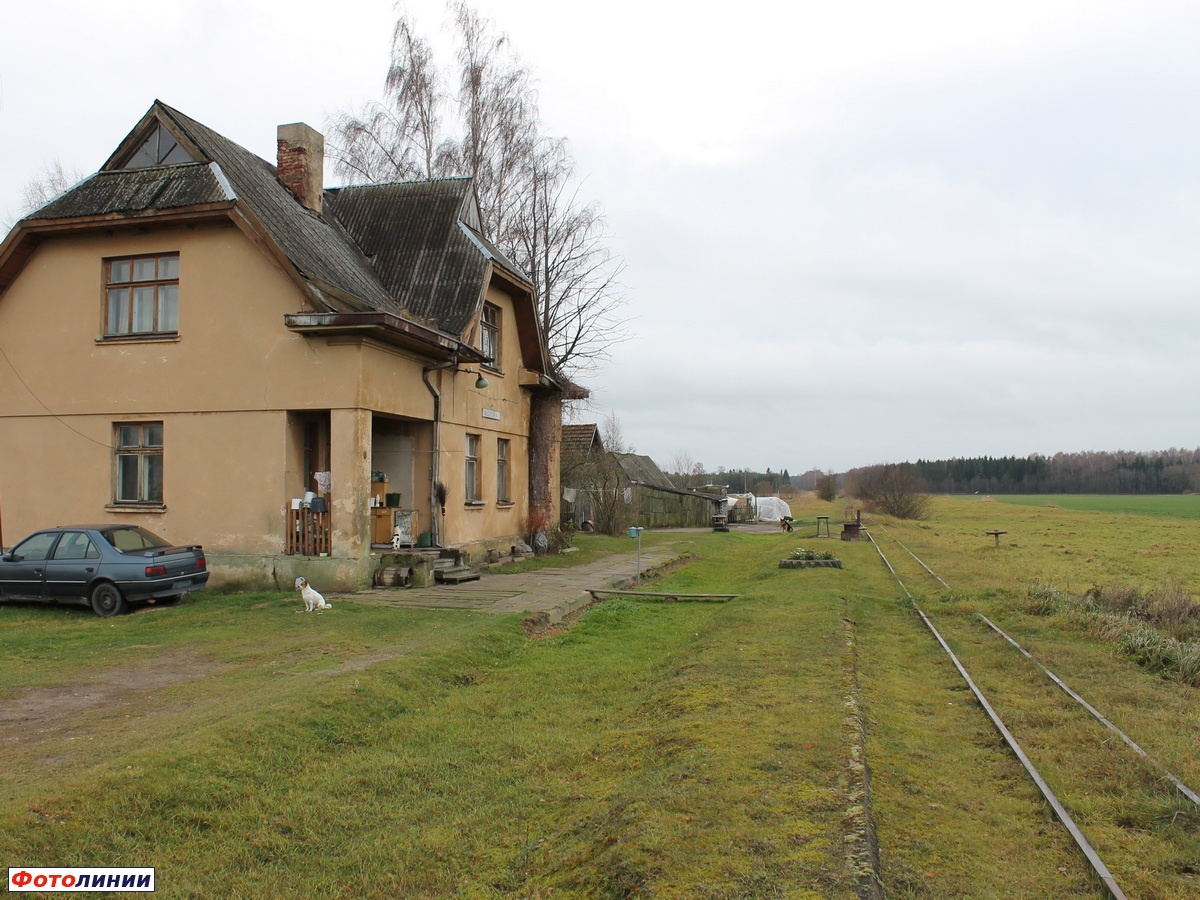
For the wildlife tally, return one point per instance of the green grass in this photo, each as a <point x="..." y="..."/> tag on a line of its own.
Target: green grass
<point x="1140" y="827"/>
<point x="677" y="750"/>
<point x="645" y="752"/>
<point x="1185" y="506"/>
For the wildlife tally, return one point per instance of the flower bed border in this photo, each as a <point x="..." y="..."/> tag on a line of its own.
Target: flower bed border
<point x="810" y="564"/>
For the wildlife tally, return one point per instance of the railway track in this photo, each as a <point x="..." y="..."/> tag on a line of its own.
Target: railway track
<point x="1097" y="866"/>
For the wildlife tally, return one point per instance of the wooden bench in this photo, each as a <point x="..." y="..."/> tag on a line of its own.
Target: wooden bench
<point x="996" y="535"/>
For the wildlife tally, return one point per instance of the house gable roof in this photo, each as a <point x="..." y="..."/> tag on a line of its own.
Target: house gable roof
<point x="335" y="269"/>
<point x="140" y="191"/>
<point x="423" y="239"/>
<point x="642" y="470"/>
<point x="645" y="473"/>
<point x="221" y="177"/>
<point x="404" y="251"/>
<point x="413" y="234"/>
<point x="580" y="440"/>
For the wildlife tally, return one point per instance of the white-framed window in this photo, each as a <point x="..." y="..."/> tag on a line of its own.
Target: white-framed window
<point x="158" y="149"/>
<point x="138" y="463"/>
<point x="141" y="295"/>
<point x="502" y="470"/>
<point x="472" y="469"/>
<point x="489" y="333"/>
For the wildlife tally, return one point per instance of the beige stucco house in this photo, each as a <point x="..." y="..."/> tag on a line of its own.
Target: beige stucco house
<point x="194" y="339"/>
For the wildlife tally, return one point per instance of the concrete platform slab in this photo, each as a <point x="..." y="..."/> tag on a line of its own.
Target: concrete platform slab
<point x="557" y="592"/>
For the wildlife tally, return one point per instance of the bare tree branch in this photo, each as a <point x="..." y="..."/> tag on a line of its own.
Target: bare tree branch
<point x="524" y="181"/>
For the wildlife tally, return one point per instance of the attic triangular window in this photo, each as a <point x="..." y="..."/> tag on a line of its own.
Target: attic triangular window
<point x="158" y="149"/>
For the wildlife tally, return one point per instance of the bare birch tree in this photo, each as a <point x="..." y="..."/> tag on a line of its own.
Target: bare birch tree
<point x="612" y="508"/>
<point x="524" y="181"/>
<point x="397" y="140"/>
<point x="681" y="468"/>
<point x="560" y="243"/>
<point x="40" y="190"/>
<point x="498" y="111"/>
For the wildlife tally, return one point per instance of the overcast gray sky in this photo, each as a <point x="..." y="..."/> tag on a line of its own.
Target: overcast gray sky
<point x="854" y="232"/>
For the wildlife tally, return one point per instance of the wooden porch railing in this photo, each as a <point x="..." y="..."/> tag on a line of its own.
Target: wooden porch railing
<point x="307" y="533"/>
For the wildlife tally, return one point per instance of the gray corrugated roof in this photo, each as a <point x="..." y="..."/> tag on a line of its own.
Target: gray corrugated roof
<point x="135" y="190"/>
<point x="409" y="249"/>
<point x="578" y="440"/>
<point x="642" y="469"/>
<point x="492" y="251"/>
<point x="317" y="247"/>
<point x="410" y="232"/>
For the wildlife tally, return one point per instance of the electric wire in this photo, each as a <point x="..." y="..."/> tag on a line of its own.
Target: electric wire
<point x="53" y="414"/>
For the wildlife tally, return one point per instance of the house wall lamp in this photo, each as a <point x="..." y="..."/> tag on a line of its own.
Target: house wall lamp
<point x="480" y="382"/>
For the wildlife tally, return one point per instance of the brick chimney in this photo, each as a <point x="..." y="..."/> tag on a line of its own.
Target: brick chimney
<point x="302" y="163"/>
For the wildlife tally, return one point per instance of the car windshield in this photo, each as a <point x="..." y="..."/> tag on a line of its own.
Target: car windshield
<point x="131" y="540"/>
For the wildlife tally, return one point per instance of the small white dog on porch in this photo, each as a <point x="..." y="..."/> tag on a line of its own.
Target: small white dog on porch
<point x="312" y="599"/>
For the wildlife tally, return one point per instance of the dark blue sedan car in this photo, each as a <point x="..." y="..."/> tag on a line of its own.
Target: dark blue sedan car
<point x="104" y="566"/>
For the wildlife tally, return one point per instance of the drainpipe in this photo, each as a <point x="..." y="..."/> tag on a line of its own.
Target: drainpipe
<point x="437" y="428"/>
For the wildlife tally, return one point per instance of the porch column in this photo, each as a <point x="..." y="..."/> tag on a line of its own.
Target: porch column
<point x="350" y="473"/>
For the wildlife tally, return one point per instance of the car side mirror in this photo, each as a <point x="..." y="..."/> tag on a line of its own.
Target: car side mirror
<point x="10" y="557"/>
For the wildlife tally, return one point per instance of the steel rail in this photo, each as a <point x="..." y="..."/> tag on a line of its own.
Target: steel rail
<point x="1179" y="785"/>
<point x="1133" y="745"/>
<point x="920" y="562"/>
<point x="1081" y="841"/>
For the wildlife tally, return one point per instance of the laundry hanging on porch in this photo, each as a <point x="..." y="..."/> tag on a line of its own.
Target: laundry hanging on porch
<point x="324" y="480"/>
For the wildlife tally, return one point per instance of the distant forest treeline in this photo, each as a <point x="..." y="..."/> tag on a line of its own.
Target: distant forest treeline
<point x="743" y="480"/>
<point x="1094" y="472"/>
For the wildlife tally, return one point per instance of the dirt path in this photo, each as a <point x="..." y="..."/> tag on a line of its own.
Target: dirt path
<point x="41" y="714"/>
<point x="127" y="695"/>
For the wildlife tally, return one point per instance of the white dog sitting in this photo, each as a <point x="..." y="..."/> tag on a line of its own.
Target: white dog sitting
<point x="312" y="599"/>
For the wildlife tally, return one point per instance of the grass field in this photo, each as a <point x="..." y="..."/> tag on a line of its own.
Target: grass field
<point x="677" y="750"/>
<point x="1183" y="506"/>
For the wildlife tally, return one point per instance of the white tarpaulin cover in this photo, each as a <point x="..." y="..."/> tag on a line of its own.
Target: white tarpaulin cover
<point x="731" y="500"/>
<point x="772" y="509"/>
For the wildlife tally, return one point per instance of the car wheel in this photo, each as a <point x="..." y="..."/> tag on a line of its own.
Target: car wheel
<point x="107" y="600"/>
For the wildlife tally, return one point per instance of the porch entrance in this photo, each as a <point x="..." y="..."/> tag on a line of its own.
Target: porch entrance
<point x="309" y="482"/>
<point x="399" y="481"/>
